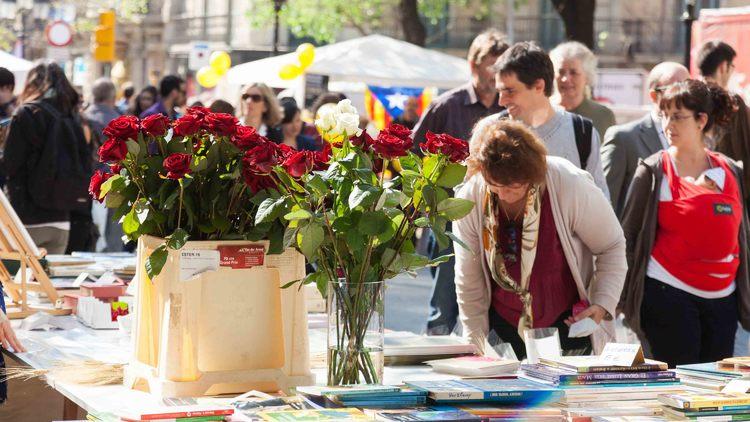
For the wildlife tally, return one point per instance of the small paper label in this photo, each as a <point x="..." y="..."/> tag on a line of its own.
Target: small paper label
<point x="244" y="256"/>
<point x="622" y="354"/>
<point x="737" y="386"/>
<point x="80" y="279"/>
<point x="197" y="261"/>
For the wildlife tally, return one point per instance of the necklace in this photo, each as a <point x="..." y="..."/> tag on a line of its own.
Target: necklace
<point x="520" y="211"/>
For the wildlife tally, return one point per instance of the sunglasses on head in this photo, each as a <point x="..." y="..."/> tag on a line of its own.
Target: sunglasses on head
<point x="255" y="97"/>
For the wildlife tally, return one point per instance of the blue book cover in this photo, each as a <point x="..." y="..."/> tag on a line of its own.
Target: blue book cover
<point x="563" y="376"/>
<point x="513" y="391"/>
<point x="713" y="368"/>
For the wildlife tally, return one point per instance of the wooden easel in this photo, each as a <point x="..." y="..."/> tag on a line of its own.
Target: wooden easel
<point x="16" y="243"/>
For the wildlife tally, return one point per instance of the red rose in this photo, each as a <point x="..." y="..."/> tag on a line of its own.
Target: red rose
<point x="456" y="149"/>
<point x="321" y="158"/>
<point x="115" y="168"/>
<point x="390" y="146"/>
<point x="299" y="164"/>
<point x="198" y="111"/>
<point x="260" y="159"/>
<point x="113" y="150"/>
<point x="398" y="131"/>
<point x="284" y="151"/>
<point x="222" y="124"/>
<point x="95" y="185"/>
<point x="257" y="183"/>
<point x="155" y="125"/>
<point x="177" y="165"/>
<point x="123" y="128"/>
<point x="187" y="125"/>
<point x="246" y="137"/>
<point x="364" y="140"/>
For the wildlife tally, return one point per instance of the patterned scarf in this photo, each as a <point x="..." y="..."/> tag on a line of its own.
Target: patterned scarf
<point x="529" y="239"/>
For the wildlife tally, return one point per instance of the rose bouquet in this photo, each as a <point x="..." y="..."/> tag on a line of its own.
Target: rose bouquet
<point x="200" y="177"/>
<point x="355" y="225"/>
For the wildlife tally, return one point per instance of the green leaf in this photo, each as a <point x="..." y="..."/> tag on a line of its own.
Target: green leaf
<point x="309" y="238"/>
<point x="155" y="262"/>
<point x="269" y="210"/>
<point x="113" y="200"/>
<point x="422" y="222"/>
<point x="114" y="184"/>
<point x="317" y="184"/>
<point x="389" y="198"/>
<point x="290" y="234"/>
<point x="130" y="222"/>
<point x="298" y="215"/>
<point x="373" y="223"/>
<point x="452" y="175"/>
<point x="141" y="210"/>
<point x="411" y="162"/>
<point x="177" y="239"/>
<point x="439" y="260"/>
<point x="413" y="261"/>
<point x="455" y="238"/>
<point x="275" y="240"/>
<point x="362" y="195"/>
<point x="221" y="222"/>
<point x="454" y="208"/>
<point x="430" y="164"/>
<point x="133" y="147"/>
<point x="199" y="164"/>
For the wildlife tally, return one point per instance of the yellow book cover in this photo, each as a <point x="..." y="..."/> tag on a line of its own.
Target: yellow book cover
<point x="344" y="414"/>
<point x="701" y="400"/>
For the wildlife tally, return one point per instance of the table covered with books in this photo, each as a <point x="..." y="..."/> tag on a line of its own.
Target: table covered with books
<point x="571" y="388"/>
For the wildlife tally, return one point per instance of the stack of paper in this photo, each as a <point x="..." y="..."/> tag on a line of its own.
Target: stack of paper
<point x="404" y="348"/>
<point x="474" y="366"/>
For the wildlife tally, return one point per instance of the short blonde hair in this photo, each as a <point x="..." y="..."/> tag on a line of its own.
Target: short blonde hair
<point x="272" y="116"/>
<point x="577" y="51"/>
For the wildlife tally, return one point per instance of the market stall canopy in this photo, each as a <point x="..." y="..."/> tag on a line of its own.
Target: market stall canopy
<point x="373" y="60"/>
<point x="18" y="66"/>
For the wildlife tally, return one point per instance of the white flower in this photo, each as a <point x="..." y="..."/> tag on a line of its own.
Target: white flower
<point x="326" y="117"/>
<point x="346" y="123"/>
<point x="346" y="107"/>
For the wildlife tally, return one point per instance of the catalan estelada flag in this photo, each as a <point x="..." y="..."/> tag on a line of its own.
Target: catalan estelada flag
<point x="384" y="105"/>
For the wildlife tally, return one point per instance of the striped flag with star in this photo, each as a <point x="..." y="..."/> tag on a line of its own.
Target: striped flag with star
<point x="385" y="104"/>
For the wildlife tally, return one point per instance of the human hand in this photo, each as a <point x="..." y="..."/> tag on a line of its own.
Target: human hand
<point x="8" y="336"/>
<point x="595" y="312"/>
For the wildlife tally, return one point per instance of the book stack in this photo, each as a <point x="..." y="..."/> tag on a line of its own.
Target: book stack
<point x="404" y="348"/>
<point x="495" y="391"/>
<point x="380" y="396"/>
<point x="713" y="375"/>
<point x="475" y="366"/>
<point x="706" y="406"/>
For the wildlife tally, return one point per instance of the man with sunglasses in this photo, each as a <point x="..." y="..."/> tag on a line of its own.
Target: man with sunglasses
<point x="625" y="144"/>
<point x="172" y="94"/>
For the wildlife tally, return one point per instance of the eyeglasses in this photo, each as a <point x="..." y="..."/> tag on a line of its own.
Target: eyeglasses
<point x="510" y="248"/>
<point x="676" y="118"/>
<point x="255" y="97"/>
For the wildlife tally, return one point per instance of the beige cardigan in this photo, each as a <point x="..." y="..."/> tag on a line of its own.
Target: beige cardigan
<point x="591" y="237"/>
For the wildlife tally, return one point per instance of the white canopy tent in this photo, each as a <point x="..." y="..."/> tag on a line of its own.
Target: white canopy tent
<point x="18" y="66"/>
<point x="374" y="60"/>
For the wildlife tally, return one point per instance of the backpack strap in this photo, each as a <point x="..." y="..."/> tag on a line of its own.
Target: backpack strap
<point x="46" y="107"/>
<point x="584" y="132"/>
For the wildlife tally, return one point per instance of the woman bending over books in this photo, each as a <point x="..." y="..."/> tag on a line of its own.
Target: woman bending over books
<point x="538" y="224"/>
<point x="686" y="232"/>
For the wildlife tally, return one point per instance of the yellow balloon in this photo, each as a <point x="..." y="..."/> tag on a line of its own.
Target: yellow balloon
<point x="207" y="77"/>
<point x="305" y="54"/>
<point x="220" y="62"/>
<point x="289" y="71"/>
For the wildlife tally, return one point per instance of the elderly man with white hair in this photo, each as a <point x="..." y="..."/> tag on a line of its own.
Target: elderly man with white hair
<point x="625" y="144"/>
<point x="575" y="74"/>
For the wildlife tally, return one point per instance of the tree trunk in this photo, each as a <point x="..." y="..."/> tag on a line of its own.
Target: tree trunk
<point x="578" y="16"/>
<point x="411" y="24"/>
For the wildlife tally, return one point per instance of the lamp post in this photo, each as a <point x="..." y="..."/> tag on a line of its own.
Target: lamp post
<point x="277" y="4"/>
<point x="688" y="17"/>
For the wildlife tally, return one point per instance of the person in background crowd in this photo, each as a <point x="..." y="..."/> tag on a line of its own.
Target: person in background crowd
<point x="221" y="106"/>
<point x="625" y="144"/>
<point x="196" y="103"/>
<point x="686" y="230"/>
<point x="143" y="101"/>
<point x="539" y="225"/>
<point x="716" y="64"/>
<point x="260" y="109"/>
<point x="291" y="127"/>
<point x="524" y="77"/>
<point x="575" y="75"/>
<point x="7" y="99"/>
<point x="172" y="95"/>
<point x="48" y="102"/>
<point x="410" y="116"/>
<point x="128" y="90"/>
<point x="455" y="112"/>
<point x="102" y="110"/>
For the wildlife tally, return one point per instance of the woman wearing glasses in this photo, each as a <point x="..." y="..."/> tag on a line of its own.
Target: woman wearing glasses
<point x="686" y="233"/>
<point x="260" y="109"/>
<point x="538" y="225"/>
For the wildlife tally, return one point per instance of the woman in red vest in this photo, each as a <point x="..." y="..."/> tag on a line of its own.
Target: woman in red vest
<point x="686" y="232"/>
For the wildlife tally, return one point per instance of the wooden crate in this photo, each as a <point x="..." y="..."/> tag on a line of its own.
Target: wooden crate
<point x="225" y="331"/>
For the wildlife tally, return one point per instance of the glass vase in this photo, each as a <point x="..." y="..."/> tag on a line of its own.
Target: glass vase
<point x="355" y="332"/>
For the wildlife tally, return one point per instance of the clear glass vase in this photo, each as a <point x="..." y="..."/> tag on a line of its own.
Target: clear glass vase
<point x="355" y="332"/>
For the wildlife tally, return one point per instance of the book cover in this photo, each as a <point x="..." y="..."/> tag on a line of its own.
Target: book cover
<point x="432" y="413"/>
<point x="603" y="383"/>
<point x="174" y="413"/>
<point x="343" y="414"/>
<point x="719" y="401"/>
<point x="344" y="390"/>
<point x="515" y="391"/>
<point x="587" y="364"/>
<point x="713" y="368"/>
<point x="564" y="376"/>
<point x="743" y="412"/>
<point x="195" y="419"/>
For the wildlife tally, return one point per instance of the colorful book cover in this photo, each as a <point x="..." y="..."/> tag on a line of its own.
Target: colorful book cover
<point x="515" y="391"/>
<point x="344" y="390"/>
<point x="343" y="414"/>
<point x="587" y="364"/>
<point x="176" y="412"/>
<point x="742" y="412"/>
<point x="432" y="413"/>
<point x="564" y="376"/>
<point x="714" y="401"/>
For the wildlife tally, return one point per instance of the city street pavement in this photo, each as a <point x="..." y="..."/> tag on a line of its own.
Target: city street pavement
<point x="407" y="302"/>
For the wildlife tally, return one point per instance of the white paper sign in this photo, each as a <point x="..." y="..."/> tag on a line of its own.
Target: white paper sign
<point x="196" y="261"/>
<point x="737" y="386"/>
<point x="80" y="279"/>
<point x="622" y="354"/>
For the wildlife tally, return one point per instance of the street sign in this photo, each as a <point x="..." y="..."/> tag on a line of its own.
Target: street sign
<point x="199" y="56"/>
<point x="59" y="33"/>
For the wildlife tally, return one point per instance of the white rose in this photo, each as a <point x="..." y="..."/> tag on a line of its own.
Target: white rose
<point x="347" y="124"/>
<point x="326" y="119"/>
<point x="346" y="107"/>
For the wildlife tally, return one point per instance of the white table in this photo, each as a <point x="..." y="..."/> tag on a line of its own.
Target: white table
<point x="78" y="342"/>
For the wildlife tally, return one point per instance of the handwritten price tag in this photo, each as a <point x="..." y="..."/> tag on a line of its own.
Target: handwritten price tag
<point x="622" y="354"/>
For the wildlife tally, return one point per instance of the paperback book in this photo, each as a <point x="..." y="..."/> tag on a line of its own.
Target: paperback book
<point x="706" y="401"/>
<point x="515" y="391"/>
<point x="593" y="364"/>
<point x="474" y="366"/>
